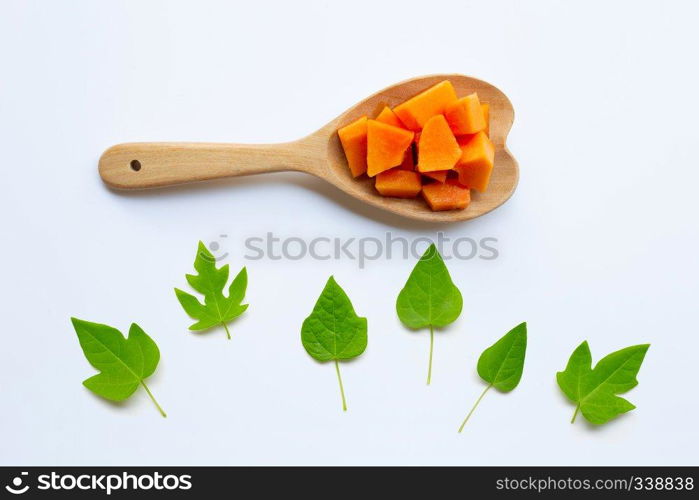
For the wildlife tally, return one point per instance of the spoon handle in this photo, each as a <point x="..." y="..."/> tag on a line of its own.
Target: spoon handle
<point x="141" y="165"/>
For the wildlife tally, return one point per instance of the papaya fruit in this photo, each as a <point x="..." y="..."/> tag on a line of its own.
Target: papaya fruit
<point x="476" y="162"/>
<point x="437" y="175"/>
<point x="434" y="143"/>
<point x="353" y="138"/>
<point x="398" y="183"/>
<point x="415" y="112"/>
<point x="408" y="160"/>
<point x="386" y="146"/>
<point x="465" y="116"/>
<point x="438" y="149"/>
<point x="388" y="117"/>
<point x="449" y="195"/>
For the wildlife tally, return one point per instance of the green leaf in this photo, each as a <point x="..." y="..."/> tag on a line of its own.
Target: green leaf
<point x="595" y="390"/>
<point x="333" y="331"/>
<point x="124" y="363"/>
<point x="429" y="298"/>
<point x="217" y="309"/>
<point x="501" y="364"/>
<point x="579" y="364"/>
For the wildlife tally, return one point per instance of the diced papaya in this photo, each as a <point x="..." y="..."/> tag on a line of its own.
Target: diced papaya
<point x="476" y="162"/>
<point x="465" y="116"/>
<point x="438" y="149"/>
<point x="486" y="116"/>
<point x="434" y="143"/>
<point x="437" y="175"/>
<point x="449" y="195"/>
<point x="398" y="183"/>
<point x="354" y="141"/>
<point x="408" y="160"/>
<point x="463" y="139"/>
<point x="388" y="117"/>
<point x="386" y="146"/>
<point x="415" y="112"/>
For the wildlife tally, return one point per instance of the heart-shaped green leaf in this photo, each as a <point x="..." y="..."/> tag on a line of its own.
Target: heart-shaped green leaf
<point x="333" y="331"/>
<point x="429" y="298"/>
<point x="501" y="364"/>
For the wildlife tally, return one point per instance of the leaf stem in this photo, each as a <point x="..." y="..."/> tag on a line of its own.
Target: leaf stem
<point x="429" y="366"/>
<point x="577" y="409"/>
<point x="160" y="409"/>
<point x="474" y="407"/>
<point x="342" y="389"/>
<point x="228" y="333"/>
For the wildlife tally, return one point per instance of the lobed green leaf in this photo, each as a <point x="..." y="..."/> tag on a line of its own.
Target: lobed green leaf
<point x="595" y="390"/>
<point x="123" y="363"/>
<point x="217" y="308"/>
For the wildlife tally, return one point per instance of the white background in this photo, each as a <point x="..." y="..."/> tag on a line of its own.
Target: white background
<point x="600" y="241"/>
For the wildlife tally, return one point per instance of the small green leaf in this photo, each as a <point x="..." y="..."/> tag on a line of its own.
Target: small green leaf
<point x="429" y="298"/>
<point x="501" y="364"/>
<point x="595" y="390"/>
<point x="124" y="363"/>
<point x="333" y="331"/>
<point x="217" y="309"/>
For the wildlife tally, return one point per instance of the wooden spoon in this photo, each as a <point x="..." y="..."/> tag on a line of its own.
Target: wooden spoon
<point x="158" y="164"/>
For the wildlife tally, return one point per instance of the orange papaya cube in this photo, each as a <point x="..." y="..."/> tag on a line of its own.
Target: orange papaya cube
<point x="386" y="146"/>
<point x="438" y="149"/>
<point x="408" y="160"/>
<point x="449" y="195"/>
<point x="354" y="141"/>
<point x="399" y="183"/>
<point x="485" y="107"/>
<point x="415" y="112"/>
<point x="388" y="117"/>
<point x="476" y="163"/>
<point x="465" y="116"/>
<point x="463" y="139"/>
<point x="437" y="175"/>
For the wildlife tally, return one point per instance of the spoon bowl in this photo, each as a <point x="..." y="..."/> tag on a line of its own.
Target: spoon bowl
<point x="159" y="164"/>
